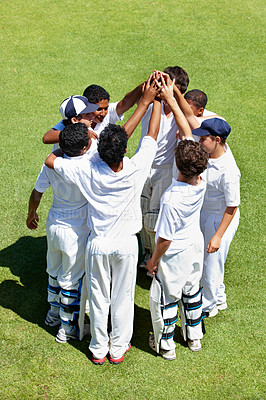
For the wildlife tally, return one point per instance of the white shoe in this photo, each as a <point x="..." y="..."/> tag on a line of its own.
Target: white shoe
<point x="52" y="319"/>
<point x="166" y="354"/>
<point x="213" y="312"/>
<point x="221" y="306"/>
<point x="143" y="264"/>
<point x="194" y="345"/>
<point x="63" y="336"/>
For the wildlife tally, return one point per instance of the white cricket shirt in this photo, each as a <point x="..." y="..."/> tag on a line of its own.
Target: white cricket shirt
<point x="113" y="197"/>
<point x="69" y="207"/>
<point x="223" y="183"/>
<point x="179" y="216"/>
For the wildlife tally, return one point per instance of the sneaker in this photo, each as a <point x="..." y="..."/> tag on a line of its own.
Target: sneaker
<point x="212" y="312"/>
<point x="52" y="319"/>
<point x="63" y="336"/>
<point x="166" y="354"/>
<point x="221" y="306"/>
<point x="143" y="264"/>
<point x="119" y="360"/>
<point x="194" y="345"/>
<point x="97" y="361"/>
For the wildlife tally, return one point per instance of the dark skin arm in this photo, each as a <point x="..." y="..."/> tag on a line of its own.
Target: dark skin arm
<point x="34" y="201"/>
<point x="51" y="137"/>
<point x="129" y="100"/>
<point x="49" y="162"/>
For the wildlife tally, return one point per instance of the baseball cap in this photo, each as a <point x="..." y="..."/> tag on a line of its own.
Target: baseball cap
<point x="76" y="105"/>
<point x="213" y="126"/>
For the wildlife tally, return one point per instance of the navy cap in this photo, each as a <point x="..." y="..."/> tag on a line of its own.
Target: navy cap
<point x="76" y="105"/>
<point x="213" y="126"/>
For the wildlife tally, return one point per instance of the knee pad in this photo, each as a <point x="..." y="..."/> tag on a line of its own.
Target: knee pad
<point x="53" y="290"/>
<point x="190" y="307"/>
<point x="70" y="306"/>
<point x="163" y="321"/>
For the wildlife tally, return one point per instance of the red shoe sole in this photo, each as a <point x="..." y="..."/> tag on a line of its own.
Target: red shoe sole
<point x="119" y="360"/>
<point x="98" y="361"/>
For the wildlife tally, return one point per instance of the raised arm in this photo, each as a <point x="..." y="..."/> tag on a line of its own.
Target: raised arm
<point x="154" y="125"/>
<point x="181" y="121"/>
<point x="34" y="201"/>
<point x="150" y="92"/>
<point x="185" y="108"/>
<point x="129" y="100"/>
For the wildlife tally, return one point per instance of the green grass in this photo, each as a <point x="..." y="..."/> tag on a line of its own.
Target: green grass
<point x="51" y="50"/>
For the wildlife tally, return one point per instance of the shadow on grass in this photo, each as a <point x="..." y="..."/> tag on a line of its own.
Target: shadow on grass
<point x="26" y="296"/>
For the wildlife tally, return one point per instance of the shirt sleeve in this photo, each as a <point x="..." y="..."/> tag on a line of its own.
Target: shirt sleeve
<point x="59" y="126"/>
<point x="231" y="187"/>
<point x="167" y="223"/>
<point x="66" y="168"/>
<point x="113" y="116"/>
<point x="43" y="181"/>
<point x="146" y="152"/>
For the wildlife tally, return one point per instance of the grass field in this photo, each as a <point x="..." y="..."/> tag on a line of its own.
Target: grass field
<point x="52" y="49"/>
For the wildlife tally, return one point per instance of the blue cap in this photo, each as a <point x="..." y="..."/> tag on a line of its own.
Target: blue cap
<point x="213" y="126"/>
<point x="76" y="105"/>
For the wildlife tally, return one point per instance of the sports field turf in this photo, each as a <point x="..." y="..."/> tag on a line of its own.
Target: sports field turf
<point x="52" y="49"/>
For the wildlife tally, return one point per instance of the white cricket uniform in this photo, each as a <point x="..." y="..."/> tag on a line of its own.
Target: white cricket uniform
<point x="111" y="118"/>
<point x="160" y="174"/>
<point x="114" y="217"/>
<point x="223" y="190"/>
<point x="66" y="230"/>
<point x="180" y="268"/>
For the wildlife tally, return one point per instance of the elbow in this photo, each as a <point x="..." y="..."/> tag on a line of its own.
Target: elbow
<point x="44" y="140"/>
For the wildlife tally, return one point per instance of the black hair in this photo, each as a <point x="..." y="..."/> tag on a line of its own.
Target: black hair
<point x="112" y="144"/>
<point x="180" y="76"/>
<point x="190" y="158"/>
<point x="68" y="121"/>
<point x="96" y="93"/>
<point x="198" y="97"/>
<point x="73" y="138"/>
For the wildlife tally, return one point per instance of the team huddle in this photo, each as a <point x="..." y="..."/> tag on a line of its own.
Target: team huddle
<point x="180" y="191"/>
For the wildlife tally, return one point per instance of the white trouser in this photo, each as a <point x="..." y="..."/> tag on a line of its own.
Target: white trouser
<point x="213" y="268"/>
<point x="111" y="277"/>
<point x="65" y="264"/>
<point x="178" y="275"/>
<point x="159" y="179"/>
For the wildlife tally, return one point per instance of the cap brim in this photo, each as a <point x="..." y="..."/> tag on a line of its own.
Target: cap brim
<point x="200" y="132"/>
<point x="90" y="108"/>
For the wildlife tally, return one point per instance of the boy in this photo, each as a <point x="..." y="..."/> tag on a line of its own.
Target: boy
<point x="112" y="185"/>
<point x="160" y="176"/>
<point x="104" y="114"/>
<point x="67" y="233"/>
<point x="220" y="213"/>
<point x="178" y="256"/>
